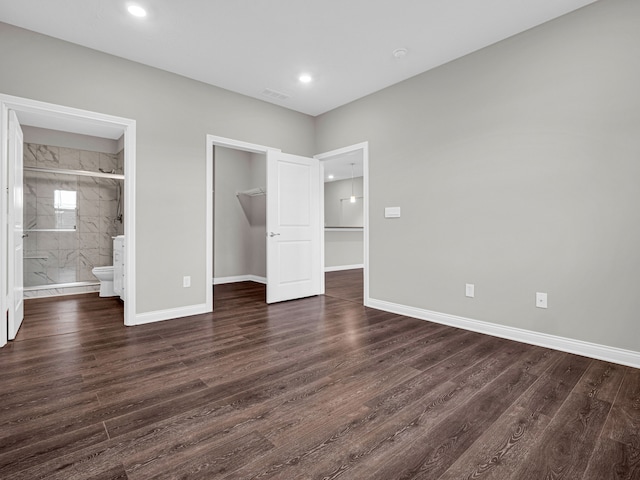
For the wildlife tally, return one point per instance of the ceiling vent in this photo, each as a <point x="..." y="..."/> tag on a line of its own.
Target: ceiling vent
<point x="267" y="92"/>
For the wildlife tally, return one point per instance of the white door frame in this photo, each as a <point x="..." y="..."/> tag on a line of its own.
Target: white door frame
<point x="212" y="142"/>
<point x="364" y="147"/>
<point x="66" y="115"/>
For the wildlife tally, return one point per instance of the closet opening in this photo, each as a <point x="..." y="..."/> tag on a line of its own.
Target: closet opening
<point x="240" y="216"/>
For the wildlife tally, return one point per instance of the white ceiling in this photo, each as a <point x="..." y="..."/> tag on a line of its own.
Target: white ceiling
<point x="248" y="46"/>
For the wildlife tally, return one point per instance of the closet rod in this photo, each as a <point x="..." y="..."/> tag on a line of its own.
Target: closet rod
<point x="84" y="173"/>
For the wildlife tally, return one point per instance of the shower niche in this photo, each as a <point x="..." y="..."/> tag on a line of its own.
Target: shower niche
<point x="73" y="206"/>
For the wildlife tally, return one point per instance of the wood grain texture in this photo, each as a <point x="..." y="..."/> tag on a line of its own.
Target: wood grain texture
<point x="319" y="388"/>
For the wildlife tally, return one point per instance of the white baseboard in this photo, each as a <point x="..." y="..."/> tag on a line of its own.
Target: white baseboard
<point x="239" y="278"/>
<point x="578" y="347"/>
<point x="171" y="313"/>
<point x="338" y="268"/>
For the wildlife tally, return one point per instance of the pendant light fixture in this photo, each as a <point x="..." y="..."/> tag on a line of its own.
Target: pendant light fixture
<point x="353" y="197"/>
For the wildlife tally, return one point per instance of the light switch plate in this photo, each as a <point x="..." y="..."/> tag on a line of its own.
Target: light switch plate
<point x="392" y="212"/>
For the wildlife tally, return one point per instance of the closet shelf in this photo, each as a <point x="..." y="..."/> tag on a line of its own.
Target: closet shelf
<point x="254" y="192"/>
<point x="82" y="173"/>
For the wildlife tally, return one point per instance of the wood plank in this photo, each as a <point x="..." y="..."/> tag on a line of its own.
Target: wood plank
<point x="505" y="446"/>
<point x="206" y="462"/>
<point x="569" y="440"/>
<point x="613" y="460"/>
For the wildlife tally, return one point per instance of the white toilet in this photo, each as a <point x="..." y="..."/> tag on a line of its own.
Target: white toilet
<point x="105" y="275"/>
<point x="112" y="277"/>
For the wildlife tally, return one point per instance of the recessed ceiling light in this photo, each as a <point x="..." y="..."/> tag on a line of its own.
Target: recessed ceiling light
<point x="330" y="177"/>
<point x="137" y="11"/>
<point x="305" y="78"/>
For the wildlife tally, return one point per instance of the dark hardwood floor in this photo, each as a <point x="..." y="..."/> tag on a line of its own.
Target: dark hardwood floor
<point x="346" y="284"/>
<point x="319" y="388"/>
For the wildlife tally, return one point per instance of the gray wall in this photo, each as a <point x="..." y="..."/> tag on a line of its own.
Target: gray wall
<point x="517" y="169"/>
<point x="173" y="115"/>
<point x="239" y="221"/>
<point x="343" y="248"/>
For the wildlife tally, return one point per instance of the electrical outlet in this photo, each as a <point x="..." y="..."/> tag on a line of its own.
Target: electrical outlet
<point x="541" y="300"/>
<point x="186" y="281"/>
<point x="470" y="290"/>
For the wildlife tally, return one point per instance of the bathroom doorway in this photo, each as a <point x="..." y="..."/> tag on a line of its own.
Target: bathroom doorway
<point x="41" y="119"/>
<point x="73" y="208"/>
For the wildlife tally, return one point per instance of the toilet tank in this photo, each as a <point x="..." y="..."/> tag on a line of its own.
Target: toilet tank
<point x="118" y="265"/>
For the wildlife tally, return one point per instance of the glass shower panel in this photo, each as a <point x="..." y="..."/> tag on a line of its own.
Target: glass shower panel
<point x="51" y="224"/>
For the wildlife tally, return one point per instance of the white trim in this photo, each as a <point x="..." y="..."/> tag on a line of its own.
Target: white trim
<point x="170" y="314"/>
<point x="239" y="278"/>
<point x="364" y="146"/>
<point x="239" y="145"/>
<point x="322" y="230"/>
<point x="339" y="268"/>
<point x="209" y="222"/>
<point x="578" y="347"/>
<point x="62" y="113"/>
<point x="129" y="223"/>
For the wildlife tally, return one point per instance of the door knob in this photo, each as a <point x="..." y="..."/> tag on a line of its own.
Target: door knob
<point x="271" y="234"/>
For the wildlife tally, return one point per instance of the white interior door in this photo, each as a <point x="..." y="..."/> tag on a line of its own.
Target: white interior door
<point x="16" y="227"/>
<point x="294" y="265"/>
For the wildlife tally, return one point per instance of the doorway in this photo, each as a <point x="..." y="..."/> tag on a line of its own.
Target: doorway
<point x="240" y="211"/>
<point x="293" y="234"/>
<point x="73" y="121"/>
<point x="345" y="200"/>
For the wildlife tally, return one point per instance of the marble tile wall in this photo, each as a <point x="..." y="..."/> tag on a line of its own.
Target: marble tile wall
<point x="62" y="257"/>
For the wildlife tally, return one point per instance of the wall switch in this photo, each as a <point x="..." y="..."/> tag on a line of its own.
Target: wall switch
<point x="470" y="290"/>
<point x="392" y="212"/>
<point x="541" y="300"/>
<point x="186" y="281"/>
